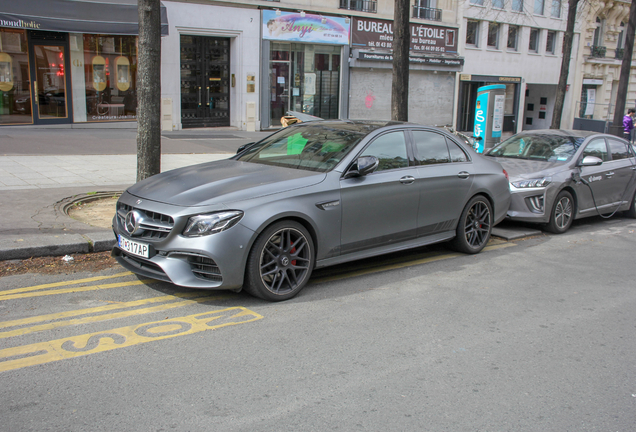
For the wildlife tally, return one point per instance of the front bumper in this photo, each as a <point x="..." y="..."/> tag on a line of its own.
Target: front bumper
<point x="215" y="261"/>
<point x="529" y="205"/>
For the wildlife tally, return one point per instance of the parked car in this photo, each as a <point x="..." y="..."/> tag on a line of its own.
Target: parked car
<point x="310" y="195"/>
<point x="557" y="176"/>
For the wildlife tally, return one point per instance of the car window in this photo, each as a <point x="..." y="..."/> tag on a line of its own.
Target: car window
<point x="597" y="148"/>
<point x="307" y="147"/>
<point x="546" y="147"/>
<point x="456" y="153"/>
<point x="618" y="149"/>
<point x="431" y="148"/>
<point x="390" y="149"/>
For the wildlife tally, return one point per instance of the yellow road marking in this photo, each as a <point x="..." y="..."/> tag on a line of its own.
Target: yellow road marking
<point x="65" y="283"/>
<point x="77" y="289"/>
<point x="92" y="343"/>
<point x="398" y="265"/>
<point x="98" y="318"/>
<point x="93" y="310"/>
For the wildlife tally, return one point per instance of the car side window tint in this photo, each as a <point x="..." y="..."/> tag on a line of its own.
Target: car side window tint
<point x="431" y="148"/>
<point x="597" y="148"/>
<point x="618" y="149"/>
<point x="456" y="153"/>
<point x="390" y="149"/>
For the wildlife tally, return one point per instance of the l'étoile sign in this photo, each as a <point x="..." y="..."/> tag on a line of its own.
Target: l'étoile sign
<point x="425" y="38"/>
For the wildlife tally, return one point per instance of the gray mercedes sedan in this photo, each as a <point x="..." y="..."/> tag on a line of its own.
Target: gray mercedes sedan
<point x="557" y="176"/>
<point x="310" y="195"/>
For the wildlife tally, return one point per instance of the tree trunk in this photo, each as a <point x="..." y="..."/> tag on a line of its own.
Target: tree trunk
<point x="149" y="90"/>
<point x="401" y="44"/>
<point x="565" y="65"/>
<point x="626" y="66"/>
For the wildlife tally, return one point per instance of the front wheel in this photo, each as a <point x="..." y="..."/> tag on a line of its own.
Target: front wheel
<point x="280" y="262"/>
<point x="562" y="213"/>
<point x="475" y="225"/>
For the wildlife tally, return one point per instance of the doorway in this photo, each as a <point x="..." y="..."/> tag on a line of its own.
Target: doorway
<point x="50" y="83"/>
<point x="205" y="81"/>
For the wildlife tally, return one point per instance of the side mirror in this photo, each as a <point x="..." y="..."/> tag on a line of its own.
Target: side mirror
<point x="363" y="166"/>
<point x="478" y="138"/>
<point x="244" y="147"/>
<point x="591" y="161"/>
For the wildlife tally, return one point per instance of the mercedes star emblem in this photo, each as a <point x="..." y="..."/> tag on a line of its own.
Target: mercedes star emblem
<point x="133" y="220"/>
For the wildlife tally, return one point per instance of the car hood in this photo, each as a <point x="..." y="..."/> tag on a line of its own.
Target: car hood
<point x="529" y="169"/>
<point x="221" y="182"/>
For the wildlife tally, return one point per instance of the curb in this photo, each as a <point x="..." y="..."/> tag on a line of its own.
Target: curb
<point x="17" y="247"/>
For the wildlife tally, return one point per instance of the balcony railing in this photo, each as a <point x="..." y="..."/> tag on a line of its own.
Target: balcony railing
<point x="427" y="13"/>
<point x="360" y="5"/>
<point x="619" y="53"/>
<point x="598" y="51"/>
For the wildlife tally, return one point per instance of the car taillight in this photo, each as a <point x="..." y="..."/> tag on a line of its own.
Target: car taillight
<point x="506" y="174"/>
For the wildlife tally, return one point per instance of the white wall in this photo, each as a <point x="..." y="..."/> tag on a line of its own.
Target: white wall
<point x="241" y="25"/>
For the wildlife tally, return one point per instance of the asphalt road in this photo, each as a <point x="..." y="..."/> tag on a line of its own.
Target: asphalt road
<point x="532" y="335"/>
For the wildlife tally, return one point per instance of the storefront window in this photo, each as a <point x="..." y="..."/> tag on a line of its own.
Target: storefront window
<point x="15" y="97"/>
<point x="104" y="74"/>
<point x="304" y="78"/>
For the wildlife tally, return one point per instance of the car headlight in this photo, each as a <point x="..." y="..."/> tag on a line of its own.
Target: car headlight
<point x="533" y="183"/>
<point x="212" y="223"/>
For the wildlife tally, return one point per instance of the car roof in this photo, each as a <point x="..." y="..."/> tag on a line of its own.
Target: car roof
<point x="562" y="132"/>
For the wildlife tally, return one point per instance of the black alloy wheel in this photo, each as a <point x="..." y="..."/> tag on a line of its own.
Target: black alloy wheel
<point x="281" y="262"/>
<point x="562" y="213"/>
<point x="475" y="226"/>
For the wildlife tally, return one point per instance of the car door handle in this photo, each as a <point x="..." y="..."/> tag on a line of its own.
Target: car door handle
<point x="463" y="174"/>
<point x="609" y="174"/>
<point x="407" y="180"/>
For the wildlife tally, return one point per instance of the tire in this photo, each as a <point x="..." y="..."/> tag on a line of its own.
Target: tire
<point x="631" y="213"/>
<point x="474" y="227"/>
<point x="562" y="213"/>
<point x="280" y="262"/>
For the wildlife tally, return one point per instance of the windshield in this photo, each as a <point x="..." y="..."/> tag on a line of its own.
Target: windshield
<point x="549" y="148"/>
<point x="306" y="147"/>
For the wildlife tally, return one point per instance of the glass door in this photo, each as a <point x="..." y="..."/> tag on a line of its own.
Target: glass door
<point x="50" y="83"/>
<point x="279" y="68"/>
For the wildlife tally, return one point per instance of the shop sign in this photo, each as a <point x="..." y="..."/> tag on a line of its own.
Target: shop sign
<point x="294" y="27"/>
<point x="425" y="38"/>
<point x="440" y="61"/>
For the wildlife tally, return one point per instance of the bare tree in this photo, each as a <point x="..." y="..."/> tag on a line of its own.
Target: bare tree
<point x="626" y="66"/>
<point x="401" y="45"/>
<point x="149" y="90"/>
<point x="565" y="65"/>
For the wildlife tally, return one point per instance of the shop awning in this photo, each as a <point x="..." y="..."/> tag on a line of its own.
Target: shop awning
<point x="113" y="17"/>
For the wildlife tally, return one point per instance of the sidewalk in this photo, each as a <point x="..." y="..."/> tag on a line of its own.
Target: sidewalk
<point x="42" y="170"/>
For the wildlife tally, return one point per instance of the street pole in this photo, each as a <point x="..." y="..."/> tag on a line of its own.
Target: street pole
<point x="401" y="45"/>
<point x="149" y="90"/>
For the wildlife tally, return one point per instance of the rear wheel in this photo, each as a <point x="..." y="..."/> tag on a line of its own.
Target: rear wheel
<point x="562" y="213"/>
<point x="280" y="262"/>
<point x="475" y="225"/>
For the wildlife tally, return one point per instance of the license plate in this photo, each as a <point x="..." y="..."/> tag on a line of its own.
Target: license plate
<point x="133" y="247"/>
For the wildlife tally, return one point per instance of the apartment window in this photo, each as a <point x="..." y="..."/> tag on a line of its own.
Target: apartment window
<point x="493" y="35"/>
<point x="359" y="5"/>
<point x="556" y="8"/>
<point x="598" y="33"/>
<point x="533" y="44"/>
<point x="513" y="34"/>
<point x="620" y="43"/>
<point x="538" y="7"/>
<point x="499" y="4"/>
<point x="550" y="42"/>
<point x="472" y="33"/>
<point x="517" y="5"/>
<point x="427" y="9"/>
<point x="477" y="2"/>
